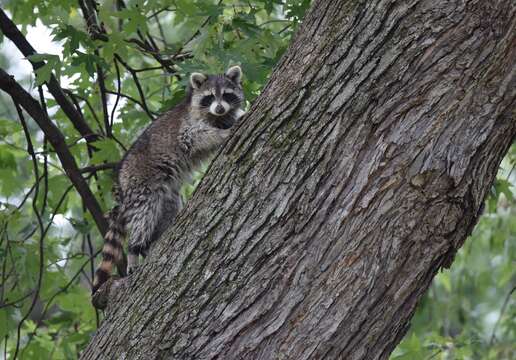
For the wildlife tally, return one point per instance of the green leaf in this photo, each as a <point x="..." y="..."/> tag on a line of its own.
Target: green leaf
<point x="107" y="152"/>
<point x="89" y="61"/>
<point x="9" y="127"/>
<point x="52" y="64"/>
<point x="43" y="57"/>
<point x="504" y="187"/>
<point x="43" y="74"/>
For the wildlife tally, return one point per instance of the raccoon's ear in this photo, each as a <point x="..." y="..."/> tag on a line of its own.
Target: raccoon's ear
<point x="197" y="79"/>
<point x="234" y="73"/>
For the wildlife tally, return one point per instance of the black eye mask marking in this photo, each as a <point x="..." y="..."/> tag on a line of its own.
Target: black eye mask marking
<point x="230" y="98"/>
<point x="207" y="100"/>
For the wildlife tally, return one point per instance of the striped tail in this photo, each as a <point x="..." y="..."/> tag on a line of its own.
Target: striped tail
<point x="112" y="252"/>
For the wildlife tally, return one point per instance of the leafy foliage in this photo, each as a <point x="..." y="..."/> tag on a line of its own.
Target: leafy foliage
<point x="143" y="52"/>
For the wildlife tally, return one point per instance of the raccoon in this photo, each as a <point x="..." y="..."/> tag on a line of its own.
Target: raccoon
<point x="161" y="159"/>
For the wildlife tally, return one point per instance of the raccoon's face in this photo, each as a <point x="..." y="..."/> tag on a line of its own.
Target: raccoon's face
<point x="217" y="95"/>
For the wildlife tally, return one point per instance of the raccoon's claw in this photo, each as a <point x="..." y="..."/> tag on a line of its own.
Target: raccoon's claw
<point x="132" y="262"/>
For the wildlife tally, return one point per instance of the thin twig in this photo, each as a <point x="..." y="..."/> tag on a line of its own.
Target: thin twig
<point x="161" y="31"/>
<point x="45" y="155"/>
<point x="129" y="97"/>
<point x="159" y="12"/>
<point x="118" y="89"/>
<point x="30" y="150"/>
<point x="92" y="271"/>
<point x="73" y="256"/>
<point x="138" y="86"/>
<point x="196" y="33"/>
<point x="502" y="311"/>
<point x="62" y="290"/>
<point x="26" y="196"/>
<point x="144" y="45"/>
<point x="103" y="97"/>
<point x="13" y="303"/>
<point x="94" y="29"/>
<point x="88" y="105"/>
<point x="148" y="68"/>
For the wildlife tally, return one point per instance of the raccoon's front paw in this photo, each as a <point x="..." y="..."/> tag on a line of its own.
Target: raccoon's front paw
<point x="239" y="113"/>
<point x="185" y="143"/>
<point x="185" y="147"/>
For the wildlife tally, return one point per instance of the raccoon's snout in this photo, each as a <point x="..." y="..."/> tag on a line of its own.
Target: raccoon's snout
<point x="219" y="108"/>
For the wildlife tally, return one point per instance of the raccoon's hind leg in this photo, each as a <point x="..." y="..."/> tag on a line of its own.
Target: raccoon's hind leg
<point x="133" y="258"/>
<point x="143" y="210"/>
<point x="147" y="218"/>
<point x="171" y="207"/>
<point x="132" y="261"/>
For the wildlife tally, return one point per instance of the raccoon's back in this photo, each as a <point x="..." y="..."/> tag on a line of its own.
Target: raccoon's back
<point x="156" y="147"/>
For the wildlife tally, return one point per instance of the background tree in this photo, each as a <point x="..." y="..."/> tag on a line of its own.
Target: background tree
<point x="121" y="64"/>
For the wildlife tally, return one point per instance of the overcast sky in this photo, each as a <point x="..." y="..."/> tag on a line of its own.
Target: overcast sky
<point x="39" y="37"/>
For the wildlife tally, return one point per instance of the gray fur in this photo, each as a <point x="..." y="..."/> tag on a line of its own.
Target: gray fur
<point x="163" y="158"/>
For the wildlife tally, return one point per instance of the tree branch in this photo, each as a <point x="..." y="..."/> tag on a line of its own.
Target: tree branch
<point x="11" y="31"/>
<point x="94" y="29"/>
<point x="45" y="154"/>
<point x="132" y="99"/>
<point x="195" y="34"/>
<point x="56" y="139"/>
<point x="138" y="86"/>
<point x="118" y="89"/>
<point x="74" y="98"/>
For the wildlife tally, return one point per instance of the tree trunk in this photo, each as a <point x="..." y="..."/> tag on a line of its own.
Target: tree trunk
<point x="356" y="176"/>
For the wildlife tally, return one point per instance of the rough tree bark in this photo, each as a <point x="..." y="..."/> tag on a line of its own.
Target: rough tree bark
<point x="355" y="177"/>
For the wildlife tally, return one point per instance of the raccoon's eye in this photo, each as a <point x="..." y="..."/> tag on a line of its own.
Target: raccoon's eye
<point x="230" y="98"/>
<point x="207" y="100"/>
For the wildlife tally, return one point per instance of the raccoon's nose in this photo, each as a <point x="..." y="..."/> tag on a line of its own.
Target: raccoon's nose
<point x="219" y="109"/>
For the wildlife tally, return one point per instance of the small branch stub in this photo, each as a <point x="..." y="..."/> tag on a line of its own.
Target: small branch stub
<point x="101" y="297"/>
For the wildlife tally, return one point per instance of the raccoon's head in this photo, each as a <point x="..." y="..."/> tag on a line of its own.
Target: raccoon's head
<point x="217" y="96"/>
